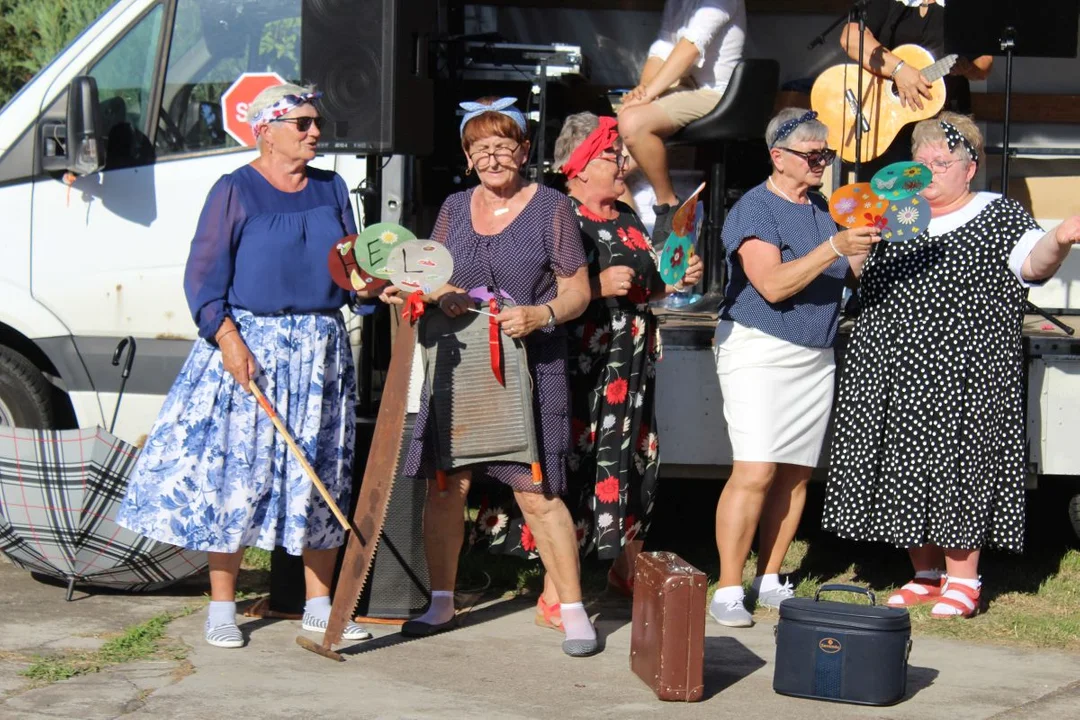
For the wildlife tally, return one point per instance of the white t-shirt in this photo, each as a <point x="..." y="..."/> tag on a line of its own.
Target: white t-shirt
<point x="716" y="27"/>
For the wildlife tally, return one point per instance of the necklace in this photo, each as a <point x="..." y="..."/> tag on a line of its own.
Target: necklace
<point x="500" y="211"/>
<point x="782" y="193"/>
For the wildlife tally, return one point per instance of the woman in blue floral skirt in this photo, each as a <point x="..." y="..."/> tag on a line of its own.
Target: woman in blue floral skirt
<point x="214" y="476"/>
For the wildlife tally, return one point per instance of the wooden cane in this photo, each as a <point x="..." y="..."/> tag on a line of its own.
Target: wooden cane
<point x="310" y="471"/>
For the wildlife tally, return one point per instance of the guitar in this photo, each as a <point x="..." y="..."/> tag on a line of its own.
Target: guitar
<point x="880" y="112"/>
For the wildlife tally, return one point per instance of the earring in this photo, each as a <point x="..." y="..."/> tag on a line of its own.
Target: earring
<point x="468" y="170"/>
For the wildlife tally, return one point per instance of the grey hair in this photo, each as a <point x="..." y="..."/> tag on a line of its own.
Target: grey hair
<point x="271" y="95"/>
<point x="930" y="131"/>
<point x="574" y="131"/>
<point x="810" y="130"/>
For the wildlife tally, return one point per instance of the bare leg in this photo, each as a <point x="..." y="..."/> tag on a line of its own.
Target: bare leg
<point x="444" y="530"/>
<point x="643" y="129"/>
<point x="319" y="572"/>
<point x="556" y="541"/>
<point x="962" y="563"/>
<point x="737" y="516"/>
<point x="927" y="557"/>
<point x="224" y="567"/>
<point x="780" y="516"/>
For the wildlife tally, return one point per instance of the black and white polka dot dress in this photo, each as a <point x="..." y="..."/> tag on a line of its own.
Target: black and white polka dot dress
<point x="929" y="436"/>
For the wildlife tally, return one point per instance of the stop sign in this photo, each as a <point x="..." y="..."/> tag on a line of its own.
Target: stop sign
<point x="235" y="102"/>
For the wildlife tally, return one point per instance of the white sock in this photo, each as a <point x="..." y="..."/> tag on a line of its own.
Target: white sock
<point x="765" y="583"/>
<point x="319" y="607"/>
<point x="729" y="594"/>
<point x="221" y="613"/>
<point x="441" y="609"/>
<point x="575" y="622"/>
<point x="943" y="609"/>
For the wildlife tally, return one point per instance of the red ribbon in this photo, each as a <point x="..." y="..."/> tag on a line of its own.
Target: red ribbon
<point x="495" y="342"/>
<point x="599" y="140"/>
<point x="414" y="308"/>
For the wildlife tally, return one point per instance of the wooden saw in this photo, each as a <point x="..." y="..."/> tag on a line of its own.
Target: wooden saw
<point x="374" y="496"/>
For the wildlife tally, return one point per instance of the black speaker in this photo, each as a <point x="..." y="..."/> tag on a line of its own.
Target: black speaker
<point x="398" y="586"/>
<point x="370" y="60"/>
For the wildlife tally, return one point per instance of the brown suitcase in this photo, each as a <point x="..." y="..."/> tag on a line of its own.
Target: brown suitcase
<point x="667" y="642"/>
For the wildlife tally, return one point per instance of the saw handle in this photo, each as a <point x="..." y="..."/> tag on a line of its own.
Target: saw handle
<point x="299" y="455"/>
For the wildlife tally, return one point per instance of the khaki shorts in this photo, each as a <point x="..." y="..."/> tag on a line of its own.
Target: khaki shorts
<point x="685" y="105"/>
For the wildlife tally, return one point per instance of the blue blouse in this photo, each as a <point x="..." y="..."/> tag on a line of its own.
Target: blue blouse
<point x="265" y="250"/>
<point x="809" y="317"/>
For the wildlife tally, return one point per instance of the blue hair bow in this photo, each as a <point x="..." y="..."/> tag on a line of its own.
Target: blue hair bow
<point x="789" y="127"/>
<point x="503" y="106"/>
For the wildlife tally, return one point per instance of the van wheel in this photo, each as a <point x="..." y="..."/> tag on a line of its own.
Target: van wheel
<point x="24" y="392"/>
<point x="1074" y="514"/>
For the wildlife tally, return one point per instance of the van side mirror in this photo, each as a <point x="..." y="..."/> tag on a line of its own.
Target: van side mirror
<point x="77" y="145"/>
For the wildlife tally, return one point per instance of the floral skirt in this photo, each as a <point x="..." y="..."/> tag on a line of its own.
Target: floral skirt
<point x="216" y="476"/>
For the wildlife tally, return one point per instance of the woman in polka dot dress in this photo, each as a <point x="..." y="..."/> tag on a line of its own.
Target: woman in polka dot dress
<point x="929" y="447"/>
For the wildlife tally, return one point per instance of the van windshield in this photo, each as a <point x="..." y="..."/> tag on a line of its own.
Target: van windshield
<point x="213" y="43"/>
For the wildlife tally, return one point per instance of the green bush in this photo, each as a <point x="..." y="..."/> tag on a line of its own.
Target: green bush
<point x="33" y="31"/>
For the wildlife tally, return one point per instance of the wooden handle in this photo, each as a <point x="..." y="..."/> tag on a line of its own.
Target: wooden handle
<point x="299" y="455"/>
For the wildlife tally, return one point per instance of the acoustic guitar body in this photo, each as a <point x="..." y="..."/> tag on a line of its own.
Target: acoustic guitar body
<point x="834" y="94"/>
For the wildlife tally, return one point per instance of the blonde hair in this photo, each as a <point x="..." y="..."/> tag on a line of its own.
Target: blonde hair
<point x="930" y="131"/>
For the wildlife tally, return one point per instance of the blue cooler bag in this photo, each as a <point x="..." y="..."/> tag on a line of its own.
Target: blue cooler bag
<point x="842" y="651"/>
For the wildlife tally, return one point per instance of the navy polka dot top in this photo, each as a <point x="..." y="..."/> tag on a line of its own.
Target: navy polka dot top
<point x="809" y="317"/>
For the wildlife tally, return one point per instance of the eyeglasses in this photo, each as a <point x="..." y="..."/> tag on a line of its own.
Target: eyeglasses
<point x="814" y="158"/>
<point x="939" y="166"/>
<point x="619" y="159"/>
<point x="482" y="158"/>
<point x="303" y="124"/>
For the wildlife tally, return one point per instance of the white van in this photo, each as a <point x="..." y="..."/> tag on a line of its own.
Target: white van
<point x="85" y="265"/>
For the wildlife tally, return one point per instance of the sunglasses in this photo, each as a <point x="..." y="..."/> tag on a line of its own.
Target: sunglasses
<point x="814" y="158"/>
<point x="303" y="124"/>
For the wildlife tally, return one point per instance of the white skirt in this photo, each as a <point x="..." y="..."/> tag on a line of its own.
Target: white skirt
<point x="777" y="395"/>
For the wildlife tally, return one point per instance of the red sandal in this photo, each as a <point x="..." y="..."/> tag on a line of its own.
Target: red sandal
<point x="548" y="616"/>
<point x="964" y="611"/>
<point x="909" y="597"/>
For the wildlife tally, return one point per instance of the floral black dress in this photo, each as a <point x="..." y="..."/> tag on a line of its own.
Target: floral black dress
<point x="614" y="457"/>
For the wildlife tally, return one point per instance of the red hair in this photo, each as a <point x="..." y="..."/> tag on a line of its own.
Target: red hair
<point x="490" y="123"/>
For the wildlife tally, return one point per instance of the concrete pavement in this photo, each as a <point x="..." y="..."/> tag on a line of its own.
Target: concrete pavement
<point x="498" y="665"/>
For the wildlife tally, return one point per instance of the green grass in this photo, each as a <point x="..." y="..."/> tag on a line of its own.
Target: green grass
<point x="137" y="642"/>
<point x="256" y="559"/>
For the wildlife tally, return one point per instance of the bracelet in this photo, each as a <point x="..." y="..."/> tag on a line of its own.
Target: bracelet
<point x="833" y="246"/>
<point x="679" y="287"/>
<point x="896" y="69"/>
<point x="551" y="319"/>
<point x="226" y="334"/>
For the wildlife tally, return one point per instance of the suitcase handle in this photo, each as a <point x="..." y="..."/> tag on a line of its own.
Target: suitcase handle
<point x="847" y="588"/>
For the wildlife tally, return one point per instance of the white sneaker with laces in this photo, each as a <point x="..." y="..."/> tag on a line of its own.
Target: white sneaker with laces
<point x="730" y="614"/>
<point x="773" y="598"/>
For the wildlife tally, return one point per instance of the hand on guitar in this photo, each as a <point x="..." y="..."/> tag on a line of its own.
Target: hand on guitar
<point x="911" y="84"/>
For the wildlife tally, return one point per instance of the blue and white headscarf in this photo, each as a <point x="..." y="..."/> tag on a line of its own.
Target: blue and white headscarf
<point x="284" y="106"/>
<point x="503" y="106"/>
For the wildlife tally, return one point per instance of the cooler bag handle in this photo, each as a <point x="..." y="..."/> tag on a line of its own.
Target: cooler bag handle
<point x="847" y="588"/>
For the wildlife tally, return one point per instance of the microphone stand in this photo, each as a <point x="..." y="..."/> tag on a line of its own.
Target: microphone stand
<point x="857" y="9"/>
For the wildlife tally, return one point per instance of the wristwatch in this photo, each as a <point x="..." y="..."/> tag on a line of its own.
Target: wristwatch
<point x="551" y="317"/>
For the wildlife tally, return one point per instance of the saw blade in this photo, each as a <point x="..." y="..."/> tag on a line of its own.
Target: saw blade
<point x="379" y="475"/>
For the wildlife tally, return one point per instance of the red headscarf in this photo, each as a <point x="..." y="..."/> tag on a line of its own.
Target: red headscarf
<point x="590" y="148"/>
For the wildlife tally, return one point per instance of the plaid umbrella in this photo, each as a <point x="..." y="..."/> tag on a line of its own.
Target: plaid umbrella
<point x="59" y="494"/>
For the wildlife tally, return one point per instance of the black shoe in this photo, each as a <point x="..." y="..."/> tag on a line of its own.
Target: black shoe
<point x="665" y="214"/>
<point x="415" y="628"/>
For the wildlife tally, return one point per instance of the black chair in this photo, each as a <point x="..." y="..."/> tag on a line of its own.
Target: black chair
<point x="742" y="114"/>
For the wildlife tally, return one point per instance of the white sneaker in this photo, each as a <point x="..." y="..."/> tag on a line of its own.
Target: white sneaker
<point x="352" y="631"/>
<point x="224" y="636"/>
<point x="773" y="598"/>
<point x="731" y="614"/>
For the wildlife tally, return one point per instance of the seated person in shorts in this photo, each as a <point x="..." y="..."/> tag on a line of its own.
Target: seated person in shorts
<point x="684" y="77"/>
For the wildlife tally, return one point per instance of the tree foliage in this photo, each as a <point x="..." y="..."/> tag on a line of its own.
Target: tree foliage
<point x="33" y="31"/>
